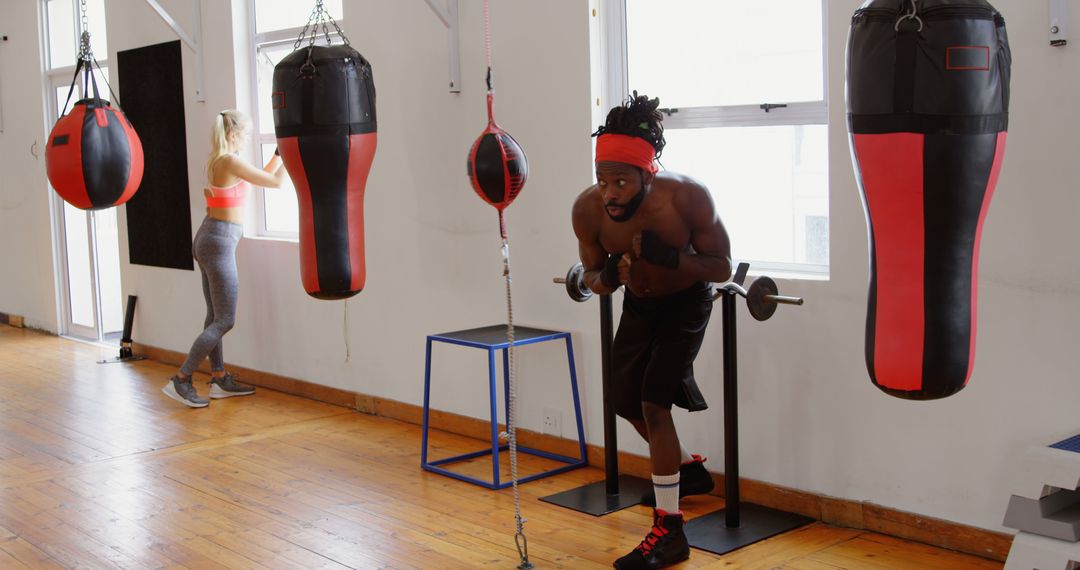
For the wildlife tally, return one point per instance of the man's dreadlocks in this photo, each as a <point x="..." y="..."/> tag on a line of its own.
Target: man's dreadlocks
<point x="637" y="117"/>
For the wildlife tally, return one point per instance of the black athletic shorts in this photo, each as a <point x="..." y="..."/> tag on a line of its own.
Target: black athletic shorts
<point x="654" y="350"/>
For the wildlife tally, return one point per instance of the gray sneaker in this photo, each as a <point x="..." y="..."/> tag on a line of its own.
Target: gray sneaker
<point x="227" y="387"/>
<point x="184" y="392"/>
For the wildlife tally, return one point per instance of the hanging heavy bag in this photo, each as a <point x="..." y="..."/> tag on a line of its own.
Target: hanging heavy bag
<point x="928" y="98"/>
<point x="93" y="158"/>
<point x="324" y="117"/>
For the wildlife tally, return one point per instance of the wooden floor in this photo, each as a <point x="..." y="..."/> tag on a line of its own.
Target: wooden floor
<point x="98" y="469"/>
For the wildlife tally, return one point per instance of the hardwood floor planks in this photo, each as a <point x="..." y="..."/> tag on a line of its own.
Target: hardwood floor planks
<point x="98" y="469"/>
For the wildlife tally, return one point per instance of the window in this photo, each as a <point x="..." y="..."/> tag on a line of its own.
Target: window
<point x="743" y="87"/>
<point x="87" y="242"/>
<point x="65" y="26"/>
<point x="276" y="24"/>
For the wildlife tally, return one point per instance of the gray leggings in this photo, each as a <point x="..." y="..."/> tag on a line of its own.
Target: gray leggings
<point x="215" y="250"/>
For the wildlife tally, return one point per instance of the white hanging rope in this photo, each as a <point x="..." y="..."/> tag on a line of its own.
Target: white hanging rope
<point x="511" y="412"/>
<point x="520" y="541"/>
<point x="345" y="329"/>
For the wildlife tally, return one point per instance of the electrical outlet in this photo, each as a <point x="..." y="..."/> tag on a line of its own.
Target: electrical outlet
<point x="552" y="422"/>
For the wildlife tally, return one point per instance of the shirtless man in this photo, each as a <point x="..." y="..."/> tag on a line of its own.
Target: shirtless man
<point x="658" y="234"/>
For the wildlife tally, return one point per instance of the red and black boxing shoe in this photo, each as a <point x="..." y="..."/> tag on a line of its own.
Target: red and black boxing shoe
<point x="694" y="479"/>
<point x="664" y="546"/>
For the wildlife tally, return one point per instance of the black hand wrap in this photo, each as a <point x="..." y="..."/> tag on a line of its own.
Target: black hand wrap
<point x="277" y="152"/>
<point x="609" y="275"/>
<point x="657" y="252"/>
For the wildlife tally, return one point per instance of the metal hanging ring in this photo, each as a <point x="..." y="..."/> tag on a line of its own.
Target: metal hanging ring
<point x="912" y="14"/>
<point x="906" y="17"/>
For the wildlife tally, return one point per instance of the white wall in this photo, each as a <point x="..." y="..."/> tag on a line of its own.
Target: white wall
<point x="26" y="253"/>
<point x="810" y="417"/>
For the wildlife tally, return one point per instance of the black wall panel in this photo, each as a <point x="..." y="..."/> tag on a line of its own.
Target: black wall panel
<point x="152" y="96"/>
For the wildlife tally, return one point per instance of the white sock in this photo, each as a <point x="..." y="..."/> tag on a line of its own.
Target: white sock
<point x="686" y="457"/>
<point x="666" y="488"/>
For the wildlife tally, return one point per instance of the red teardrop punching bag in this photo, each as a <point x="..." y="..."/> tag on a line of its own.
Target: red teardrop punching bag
<point x="497" y="166"/>
<point x="324" y="117"/>
<point x="928" y="97"/>
<point x="94" y="158"/>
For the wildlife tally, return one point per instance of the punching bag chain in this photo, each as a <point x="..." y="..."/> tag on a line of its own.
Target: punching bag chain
<point x="85" y="53"/>
<point x="86" y="64"/>
<point x="318" y="18"/>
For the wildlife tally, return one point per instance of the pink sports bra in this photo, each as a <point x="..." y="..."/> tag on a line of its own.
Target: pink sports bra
<point x="231" y="197"/>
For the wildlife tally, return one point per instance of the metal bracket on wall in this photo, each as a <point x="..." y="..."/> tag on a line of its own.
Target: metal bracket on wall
<point x="448" y="15"/>
<point x="193" y="41"/>
<point x="1059" y="23"/>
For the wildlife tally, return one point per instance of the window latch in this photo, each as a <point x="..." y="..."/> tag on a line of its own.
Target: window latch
<point x="669" y="112"/>
<point x="770" y="106"/>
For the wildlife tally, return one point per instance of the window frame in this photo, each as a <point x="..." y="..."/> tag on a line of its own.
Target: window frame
<point x="54" y="74"/>
<point x="56" y="80"/>
<point x="617" y="89"/>
<point x="258" y="42"/>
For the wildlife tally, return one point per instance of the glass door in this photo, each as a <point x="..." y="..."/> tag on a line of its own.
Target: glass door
<point x="89" y="246"/>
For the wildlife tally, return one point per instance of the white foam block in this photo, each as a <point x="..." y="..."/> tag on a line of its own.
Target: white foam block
<point x="1034" y="552"/>
<point x="1043" y="465"/>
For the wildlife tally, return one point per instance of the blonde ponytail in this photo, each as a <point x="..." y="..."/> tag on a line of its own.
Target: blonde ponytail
<point x="226" y="123"/>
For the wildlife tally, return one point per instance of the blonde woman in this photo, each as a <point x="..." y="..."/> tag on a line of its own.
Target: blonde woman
<point x="231" y="178"/>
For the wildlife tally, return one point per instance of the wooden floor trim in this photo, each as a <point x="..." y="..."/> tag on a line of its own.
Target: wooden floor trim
<point x="13" y="320"/>
<point x="836" y="511"/>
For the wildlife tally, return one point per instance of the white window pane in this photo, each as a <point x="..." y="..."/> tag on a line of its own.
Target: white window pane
<point x="280" y="209"/>
<point x="108" y="250"/>
<point x="770" y="185"/>
<point x="63" y="49"/>
<point x="693" y="53"/>
<point x="78" y="266"/>
<point x="267" y="57"/>
<point x="77" y="94"/>
<point x="102" y="78"/>
<point x="95" y="15"/>
<point x="273" y="15"/>
<point x="61" y="97"/>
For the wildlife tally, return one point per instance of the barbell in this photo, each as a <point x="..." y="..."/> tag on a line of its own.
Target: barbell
<point x="761" y="298"/>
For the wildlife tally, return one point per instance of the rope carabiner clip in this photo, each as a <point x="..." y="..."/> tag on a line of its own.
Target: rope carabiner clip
<point x="522" y="544"/>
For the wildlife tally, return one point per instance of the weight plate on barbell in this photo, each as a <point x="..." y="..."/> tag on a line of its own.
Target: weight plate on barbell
<point x="575" y="284"/>
<point x="760" y="307"/>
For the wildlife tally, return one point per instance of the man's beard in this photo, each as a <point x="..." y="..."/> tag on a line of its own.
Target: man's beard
<point x="628" y="209"/>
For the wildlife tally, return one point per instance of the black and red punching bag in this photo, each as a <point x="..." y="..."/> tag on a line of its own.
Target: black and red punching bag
<point x="94" y="158"/>
<point x="497" y="166"/>
<point x="928" y="99"/>
<point x="324" y="118"/>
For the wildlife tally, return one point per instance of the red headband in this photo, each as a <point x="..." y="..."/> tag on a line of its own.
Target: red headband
<point x="627" y="150"/>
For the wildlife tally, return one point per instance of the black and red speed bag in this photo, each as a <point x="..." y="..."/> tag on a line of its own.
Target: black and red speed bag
<point x="497" y="166"/>
<point x="324" y="118"/>
<point x="928" y="98"/>
<point x="94" y="158"/>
